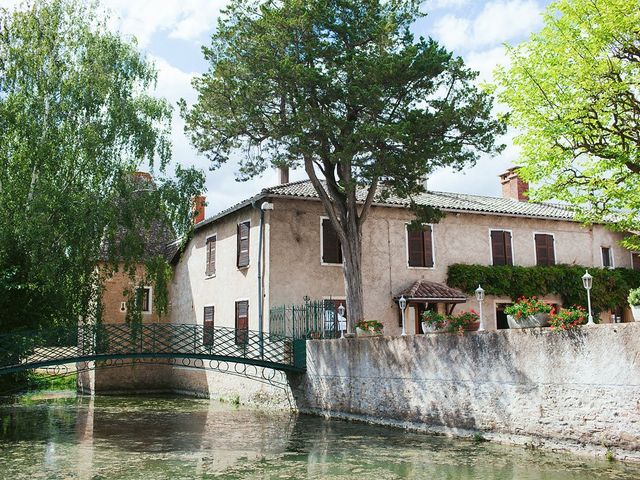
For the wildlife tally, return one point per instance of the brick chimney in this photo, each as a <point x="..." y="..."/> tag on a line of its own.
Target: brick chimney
<point x="283" y="175"/>
<point x="199" y="203"/>
<point x="513" y="186"/>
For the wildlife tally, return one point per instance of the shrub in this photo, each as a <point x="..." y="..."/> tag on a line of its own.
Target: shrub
<point x="463" y="321"/>
<point x="568" y="318"/>
<point x="526" y="307"/>
<point x="373" y="325"/>
<point x="634" y="297"/>
<point x="434" y="319"/>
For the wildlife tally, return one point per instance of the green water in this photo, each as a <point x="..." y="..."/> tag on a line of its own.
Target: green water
<point x="68" y="437"/>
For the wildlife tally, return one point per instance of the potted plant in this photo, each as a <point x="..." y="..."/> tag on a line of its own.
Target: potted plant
<point x="634" y="303"/>
<point x="369" y="328"/>
<point x="433" y="322"/>
<point x="527" y="313"/>
<point x="469" y="321"/>
<point x="568" y="318"/>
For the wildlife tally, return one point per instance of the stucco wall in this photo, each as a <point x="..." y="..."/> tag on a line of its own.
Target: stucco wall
<point x="296" y="270"/>
<point x="574" y="390"/>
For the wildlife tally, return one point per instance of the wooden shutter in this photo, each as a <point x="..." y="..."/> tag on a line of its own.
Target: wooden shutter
<point x="243" y="244"/>
<point x="545" y="254"/>
<point x="208" y="329"/>
<point x="606" y="257"/>
<point x="501" y="247"/>
<point x="427" y="244"/>
<point x="415" y="247"/>
<point x="331" y="248"/>
<point x="635" y="261"/>
<point x="211" y="256"/>
<point x="242" y="322"/>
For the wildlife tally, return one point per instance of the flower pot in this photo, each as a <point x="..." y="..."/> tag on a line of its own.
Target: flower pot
<point x="537" y="320"/>
<point x="367" y="333"/>
<point x="473" y="327"/>
<point x="432" y="328"/>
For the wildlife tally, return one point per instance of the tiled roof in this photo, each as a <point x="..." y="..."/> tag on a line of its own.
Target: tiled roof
<point x="424" y="290"/>
<point x="445" y="201"/>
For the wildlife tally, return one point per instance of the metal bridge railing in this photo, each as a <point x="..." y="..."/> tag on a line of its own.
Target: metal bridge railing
<point x="24" y="350"/>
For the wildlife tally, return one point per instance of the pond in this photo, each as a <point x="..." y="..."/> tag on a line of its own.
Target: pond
<point x="64" y="436"/>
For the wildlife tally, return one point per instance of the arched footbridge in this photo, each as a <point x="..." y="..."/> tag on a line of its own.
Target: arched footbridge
<point x="27" y="350"/>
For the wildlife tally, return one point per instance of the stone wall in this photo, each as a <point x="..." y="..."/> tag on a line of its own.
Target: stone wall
<point x="578" y="391"/>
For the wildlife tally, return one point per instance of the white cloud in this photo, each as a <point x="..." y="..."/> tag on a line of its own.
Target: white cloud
<point x="486" y="61"/>
<point x="498" y="22"/>
<point x="451" y="4"/>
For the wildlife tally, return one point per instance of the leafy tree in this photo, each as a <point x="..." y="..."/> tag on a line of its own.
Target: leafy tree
<point x="342" y="88"/>
<point x="573" y="94"/>
<point x="76" y="120"/>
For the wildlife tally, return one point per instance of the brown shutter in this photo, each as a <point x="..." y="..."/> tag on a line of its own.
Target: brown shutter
<point x="243" y="244"/>
<point x="606" y="257"/>
<point x="542" y="257"/>
<point x="208" y="329"/>
<point x="427" y="243"/>
<point x="415" y="247"/>
<point x="211" y="256"/>
<point x="497" y="247"/>
<point x="551" y="253"/>
<point x="331" y="248"/>
<point x="635" y="260"/>
<point x="242" y="322"/>
<point x="508" y="252"/>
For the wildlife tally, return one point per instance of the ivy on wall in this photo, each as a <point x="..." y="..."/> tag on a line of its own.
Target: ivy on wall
<point x="610" y="286"/>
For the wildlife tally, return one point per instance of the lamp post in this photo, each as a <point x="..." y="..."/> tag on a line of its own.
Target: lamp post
<point x="480" y="298"/>
<point x="403" y="304"/>
<point x="587" y="281"/>
<point x="341" y="315"/>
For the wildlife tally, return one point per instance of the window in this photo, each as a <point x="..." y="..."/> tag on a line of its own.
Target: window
<point x="420" y="247"/>
<point x="331" y="248"/>
<point x="242" y="322"/>
<point x="243" y="244"/>
<point x="501" y="252"/>
<point x="334" y="323"/>
<point x="545" y="249"/>
<point x="210" y="268"/>
<point x="207" y="331"/>
<point x="635" y="261"/>
<point x="143" y="299"/>
<point x="607" y="257"/>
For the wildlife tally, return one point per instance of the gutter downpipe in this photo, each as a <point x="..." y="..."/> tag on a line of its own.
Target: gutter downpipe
<point x="264" y="206"/>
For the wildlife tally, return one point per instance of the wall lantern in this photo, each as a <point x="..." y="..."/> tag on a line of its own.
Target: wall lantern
<point x="587" y="282"/>
<point x="480" y="299"/>
<point x="403" y="304"/>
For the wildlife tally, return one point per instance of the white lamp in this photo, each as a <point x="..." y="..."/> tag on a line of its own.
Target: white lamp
<point x="341" y="315"/>
<point x="480" y="298"/>
<point x="587" y="282"/>
<point x="403" y="304"/>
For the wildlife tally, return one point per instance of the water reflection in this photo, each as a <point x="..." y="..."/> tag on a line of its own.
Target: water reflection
<point x="180" y="438"/>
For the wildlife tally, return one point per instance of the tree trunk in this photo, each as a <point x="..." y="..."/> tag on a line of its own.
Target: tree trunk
<point x="352" y="270"/>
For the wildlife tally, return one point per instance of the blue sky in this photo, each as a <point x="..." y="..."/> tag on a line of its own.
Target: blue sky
<point x="172" y="32"/>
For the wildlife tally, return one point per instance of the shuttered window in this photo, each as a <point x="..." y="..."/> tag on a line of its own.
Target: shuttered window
<point x="143" y="299"/>
<point x="242" y="322"/>
<point x="501" y="251"/>
<point x="545" y="251"/>
<point x="243" y="244"/>
<point x="331" y="248"/>
<point x="207" y="331"/>
<point x="210" y="268"/>
<point x="607" y="260"/>
<point x="420" y="246"/>
<point x="635" y="261"/>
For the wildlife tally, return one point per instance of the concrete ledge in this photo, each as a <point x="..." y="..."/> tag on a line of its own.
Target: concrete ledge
<point x="577" y="391"/>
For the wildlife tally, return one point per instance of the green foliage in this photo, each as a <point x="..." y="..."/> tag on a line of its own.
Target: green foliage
<point x="568" y="318"/>
<point x="526" y="307"/>
<point x="634" y="297"/>
<point x="573" y="94"/>
<point x="462" y="321"/>
<point x="373" y="325"/>
<point x="76" y="119"/>
<point x="610" y="286"/>
<point x="434" y="319"/>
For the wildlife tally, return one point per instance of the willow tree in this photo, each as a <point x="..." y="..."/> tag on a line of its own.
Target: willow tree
<point x="573" y="94"/>
<point x="342" y="88"/>
<point x="76" y="118"/>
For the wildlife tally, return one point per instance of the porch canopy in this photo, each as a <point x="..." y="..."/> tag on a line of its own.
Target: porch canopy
<point x="424" y="291"/>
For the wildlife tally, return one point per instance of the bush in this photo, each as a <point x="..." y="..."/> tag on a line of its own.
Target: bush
<point x="463" y="321"/>
<point x="634" y="297"/>
<point x="526" y="307"/>
<point x="568" y="318"/>
<point x="434" y="319"/>
<point x="373" y="325"/>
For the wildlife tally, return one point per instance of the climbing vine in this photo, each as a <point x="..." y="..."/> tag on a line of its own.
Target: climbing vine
<point x="610" y="286"/>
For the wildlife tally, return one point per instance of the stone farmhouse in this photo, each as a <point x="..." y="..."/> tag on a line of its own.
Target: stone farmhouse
<point x="279" y="248"/>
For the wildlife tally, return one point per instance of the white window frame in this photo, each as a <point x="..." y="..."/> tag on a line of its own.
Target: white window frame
<point x="611" y="257"/>
<point x="206" y="240"/>
<point x="236" y="262"/>
<point x="535" y="250"/>
<point x="322" y="262"/>
<point x="513" y="250"/>
<point x="631" y="254"/>
<point x="433" y="246"/>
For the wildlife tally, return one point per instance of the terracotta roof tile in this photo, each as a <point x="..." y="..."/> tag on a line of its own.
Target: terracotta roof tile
<point x="425" y="290"/>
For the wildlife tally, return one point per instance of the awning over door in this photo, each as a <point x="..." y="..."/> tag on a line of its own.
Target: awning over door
<point x="431" y="292"/>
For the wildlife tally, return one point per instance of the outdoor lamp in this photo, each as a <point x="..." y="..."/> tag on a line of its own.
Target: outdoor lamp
<point x="587" y="281"/>
<point x="403" y="304"/>
<point x="480" y="298"/>
<point x="341" y="315"/>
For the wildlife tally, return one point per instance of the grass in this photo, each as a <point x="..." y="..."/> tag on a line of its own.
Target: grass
<point x="42" y="381"/>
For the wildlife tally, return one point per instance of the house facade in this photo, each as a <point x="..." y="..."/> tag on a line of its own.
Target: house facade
<point x="278" y="248"/>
